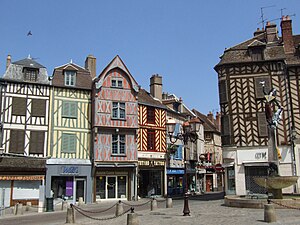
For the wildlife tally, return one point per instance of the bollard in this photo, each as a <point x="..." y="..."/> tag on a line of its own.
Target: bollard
<point x="269" y="213"/>
<point x="64" y="205"/>
<point x="132" y="218"/>
<point x="80" y="201"/>
<point x="153" y="204"/>
<point x="70" y="215"/>
<point x="169" y="203"/>
<point x="18" y="209"/>
<point x="119" y="208"/>
<point x="28" y="205"/>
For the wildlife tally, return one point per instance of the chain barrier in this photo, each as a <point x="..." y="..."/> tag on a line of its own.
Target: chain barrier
<point x="101" y="211"/>
<point x="36" y="207"/>
<point x="286" y="206"/>
<point x="163" y="200"/>
<point x="100" y="219"/>
<point x="136" y="205"/>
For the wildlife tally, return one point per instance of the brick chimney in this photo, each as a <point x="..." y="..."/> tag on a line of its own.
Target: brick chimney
<point x="210" y="116"/>
<point x="90" y="65"/>
<point x="156" y="86"/>
<point x="271" y="32"/>
<point x="287" y="34"/>
<point x="258" y="32"/>
<point x="8" y="61"/>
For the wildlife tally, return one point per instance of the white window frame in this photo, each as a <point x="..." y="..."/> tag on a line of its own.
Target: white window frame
<point x="70" y="78"/>
<point x="116" y="82"/>
<point x="119" y="108"/>
<point x="119" y="142"/>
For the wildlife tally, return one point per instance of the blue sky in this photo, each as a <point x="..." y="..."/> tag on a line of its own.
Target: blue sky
<point x="179" y="39"/>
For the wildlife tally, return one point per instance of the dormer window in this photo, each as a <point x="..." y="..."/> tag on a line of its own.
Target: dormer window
<point x="256" y="54"/>
<point x="117" y="82"/>
<point x="30" y="74"/>
<point x="70" y="77"/>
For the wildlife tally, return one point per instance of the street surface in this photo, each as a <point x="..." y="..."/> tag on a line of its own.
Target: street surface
<point x="204" y="211"/>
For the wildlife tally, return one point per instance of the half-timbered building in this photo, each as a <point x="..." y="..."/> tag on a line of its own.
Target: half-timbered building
<point x="263" y="59"/>
<point x="69" y="159"/>
<point x="24" y="120"/>
<point x="115" y="126"/>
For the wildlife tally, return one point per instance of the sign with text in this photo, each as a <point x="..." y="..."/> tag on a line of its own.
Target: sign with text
<point x="252" y="155"/>
<point x="69" y="170"/>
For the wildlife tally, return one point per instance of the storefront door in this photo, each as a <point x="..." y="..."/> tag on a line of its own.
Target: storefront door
<point x="80" y="183"/>
<point x="111" y="187"/>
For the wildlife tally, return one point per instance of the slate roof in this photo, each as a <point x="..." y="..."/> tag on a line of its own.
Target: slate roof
<point x="273" y="51"/>
<point x="28" y="62"/>
<point x="146" y="98"/>
<point x="209" y="126"/>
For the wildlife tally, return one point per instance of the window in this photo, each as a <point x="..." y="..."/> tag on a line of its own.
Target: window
<point x="118" y="111"/>
<point x="117" y="82"/>
<point x="178" y="153"/>
<point x="118" y="144"/>
<point x="257" y="54"/>
<point x="262" y="124"/>
<point x="223" y="97"/>
<point x="69" y="109"/>
<point x="30" y="74"/>
<point x="68" y="143"/>
<point x="151" y="140"/>
<point x="36" y="143"/>
<point x="19" y="106"/>
<point x="38" y="107"/>
<point x="70" y="78"/>
<point x="17" y="141"/>
<point x="258" y="87"/>
<point x="151" y="115"/>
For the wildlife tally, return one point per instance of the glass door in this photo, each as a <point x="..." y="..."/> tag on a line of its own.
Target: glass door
<point x="111" y="187"/>
<point x="80" y="189"/>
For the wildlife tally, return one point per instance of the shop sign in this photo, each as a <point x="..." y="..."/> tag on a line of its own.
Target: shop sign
<point x="174" y="171"/>
<point x="252" y="155"/>
<point x="151" y="163"/>
<point x="70" y="170"/>
<point x="22" y="177"/>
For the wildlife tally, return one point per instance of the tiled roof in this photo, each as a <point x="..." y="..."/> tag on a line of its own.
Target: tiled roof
<point x="209" y="126"/>
<point x="28" y="62"/>
<point x="145" y="98"/>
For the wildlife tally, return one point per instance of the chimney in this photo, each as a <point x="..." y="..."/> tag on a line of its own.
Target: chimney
<point x="90" y="65"/>
<point x="156" y="86"/>
<point x="271" y="32"/>
<point x="287" y="34"/>
<point x="258" y="32"/>
<point x="8" y="61"/>
<point x="210" y="116"/>
<point x="218" y="121"/>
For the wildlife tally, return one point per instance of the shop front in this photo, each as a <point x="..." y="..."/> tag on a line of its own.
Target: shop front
<point x="69" y="181"/>
<point x="151" y="178"/>
<point x="175" y="179"/>
<point x="115" y="182"/>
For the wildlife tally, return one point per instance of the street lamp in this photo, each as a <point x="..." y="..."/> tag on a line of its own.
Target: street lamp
<point x="189" y="133"/>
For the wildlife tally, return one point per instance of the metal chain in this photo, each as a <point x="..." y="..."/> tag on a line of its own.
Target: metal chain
<point x="101" y="211"/>
<point x="136" y="205"/>
<point x="93" y="218"/>
<point x="286" y="206"/>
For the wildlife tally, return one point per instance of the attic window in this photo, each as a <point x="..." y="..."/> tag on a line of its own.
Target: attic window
<point x="30" y="74"/>
<point x="116" y="82"/>
<point x="256" y="54"/>
<point x="70" y="77"/>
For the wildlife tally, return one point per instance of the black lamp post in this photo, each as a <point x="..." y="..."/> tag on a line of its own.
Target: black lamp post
<point x="189" y="133"/>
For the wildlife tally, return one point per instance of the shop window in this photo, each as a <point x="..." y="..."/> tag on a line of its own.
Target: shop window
<point x="118" y="110"/>
<point x="118" y="144"/>
<point x="150" y="115"/>
<point x="121" y="187"/>
<point x="62" y="187"/>
<point x="19" y="106"/>
<point x="36" y="142"/>
<point x="150" y="140"/>
<point x="38" y="107"/>
<point x="17" y="141"/>
<point x="68" y="143"/>
<point x="69" y="109"/>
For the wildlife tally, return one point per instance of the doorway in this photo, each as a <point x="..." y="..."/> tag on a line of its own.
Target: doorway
<point x="80" y="184"/>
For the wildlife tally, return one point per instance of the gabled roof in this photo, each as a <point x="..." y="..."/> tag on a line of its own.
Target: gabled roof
<point x="145" y="98"/>
<point x="116" y="63"/>
<point x="256" y="43"/>
<point x="209" y="126"/>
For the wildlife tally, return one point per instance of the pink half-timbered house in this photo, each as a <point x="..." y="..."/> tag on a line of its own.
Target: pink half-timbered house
<point x="115" y="125"/>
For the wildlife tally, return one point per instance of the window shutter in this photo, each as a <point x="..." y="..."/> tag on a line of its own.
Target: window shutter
<point x="259" y="89"/>
<point x="262" y="124"/>
<point x="66" y="109"/>
<point x="179" y="152"/>
<point x="38" y="107"/>
<point x="36" y="144"/>
<point x="73" y="109"/>
<point x="72" y="143"/>
<point x="17" y="141"/>
<point x="223" y="97"/>
<point x="176" y="130"/>
<point x="19" y="106"/>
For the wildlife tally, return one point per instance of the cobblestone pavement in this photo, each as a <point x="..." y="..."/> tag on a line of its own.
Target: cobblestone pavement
<point x="202" y="212"/>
